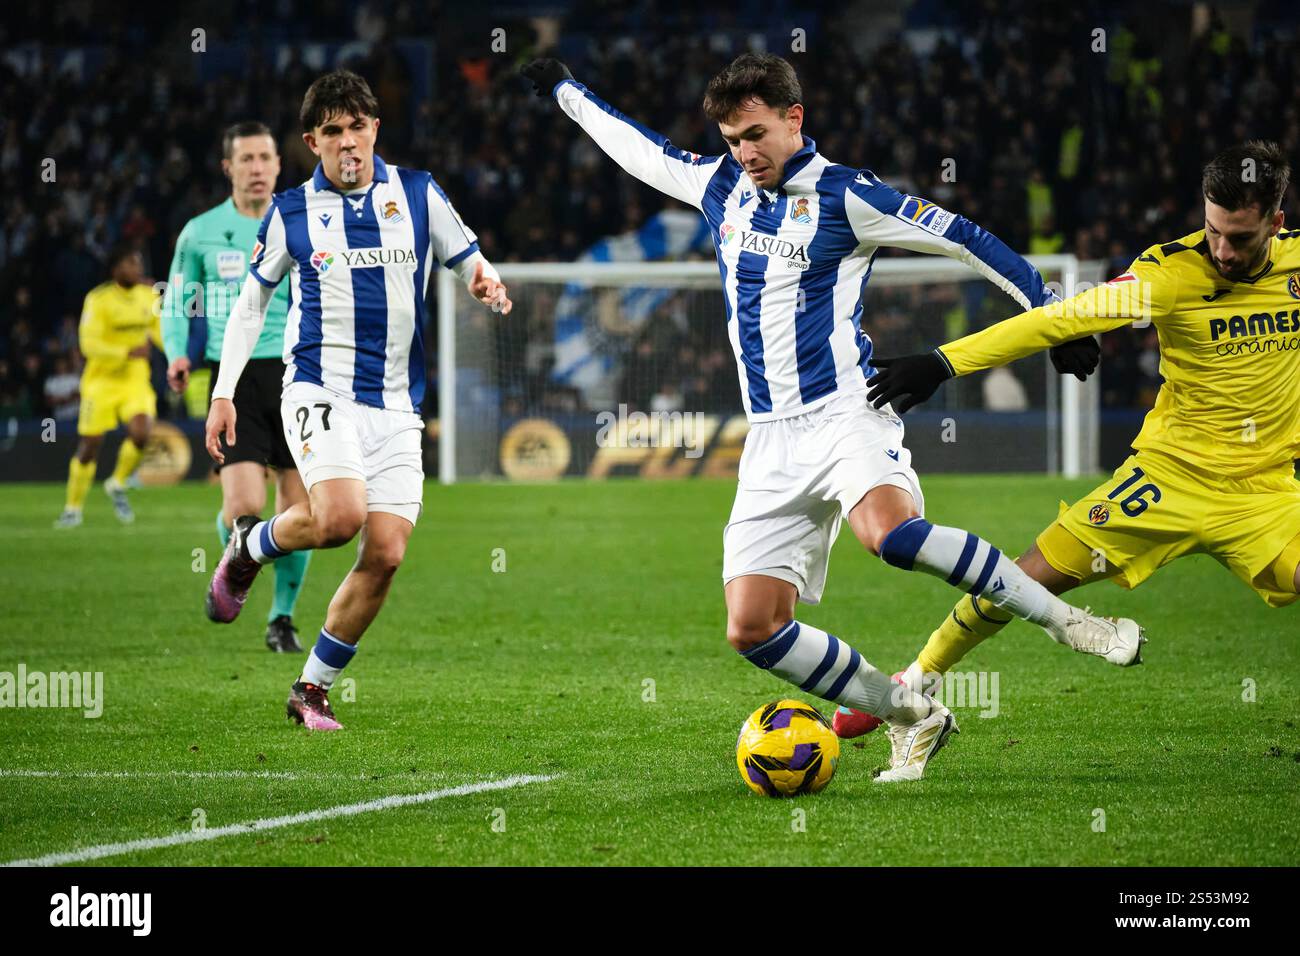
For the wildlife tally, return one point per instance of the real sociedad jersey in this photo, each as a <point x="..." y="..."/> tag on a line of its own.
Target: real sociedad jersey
<point x="795" y="260"/>
<point x="358" y="264"/>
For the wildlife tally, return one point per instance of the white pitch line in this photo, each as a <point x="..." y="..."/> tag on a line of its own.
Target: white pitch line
<point x="274" y="823"/>
<point x="209" y="775"/>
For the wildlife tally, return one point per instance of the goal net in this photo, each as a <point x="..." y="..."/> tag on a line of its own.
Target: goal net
<point x="607" y="369"/>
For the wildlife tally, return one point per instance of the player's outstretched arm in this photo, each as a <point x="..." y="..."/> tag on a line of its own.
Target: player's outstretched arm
<point x="883" y="216"/>
<point x="1142" y="294"/>
<point x="643" y="153"/>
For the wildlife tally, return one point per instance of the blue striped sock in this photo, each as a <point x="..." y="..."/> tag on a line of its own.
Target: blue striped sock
<point x="261" y="542"/>
<point x="821" y="664"/>
<point x="969" y="562"/>
<point x="327" y="660"/>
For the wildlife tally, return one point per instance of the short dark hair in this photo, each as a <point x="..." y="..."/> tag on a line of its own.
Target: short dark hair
<point x="763" y="75"/>
<point x="123" y="249"/>
<point x="1225" y="181"/>
<point x="335" y="93"/>
<point x="242" y="128"/>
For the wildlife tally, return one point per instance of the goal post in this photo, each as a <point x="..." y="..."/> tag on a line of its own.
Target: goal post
<point x="608" y="368"/>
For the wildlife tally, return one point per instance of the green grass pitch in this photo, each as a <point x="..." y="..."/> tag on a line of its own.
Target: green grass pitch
<point x="471" y="674"/>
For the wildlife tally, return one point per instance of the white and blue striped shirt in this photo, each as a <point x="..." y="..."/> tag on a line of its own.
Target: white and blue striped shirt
<point x="795" y="260"/>
<point x="358" y="264"/>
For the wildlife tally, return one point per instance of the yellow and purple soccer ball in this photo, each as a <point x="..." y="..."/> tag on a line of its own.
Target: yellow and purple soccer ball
<point x="786" y="748"/>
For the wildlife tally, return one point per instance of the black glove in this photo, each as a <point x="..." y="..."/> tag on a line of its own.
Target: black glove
<point x="916" y="376"/>
<point x="1078" y="358"/>
<point x="544" y="74"/>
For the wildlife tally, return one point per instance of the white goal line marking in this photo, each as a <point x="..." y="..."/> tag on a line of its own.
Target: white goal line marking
<point x="274" y="823"/>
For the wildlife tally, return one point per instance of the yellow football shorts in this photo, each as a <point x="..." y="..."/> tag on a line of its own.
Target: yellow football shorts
<point x="1155" y="509"/>
<point x="105" y="402"/>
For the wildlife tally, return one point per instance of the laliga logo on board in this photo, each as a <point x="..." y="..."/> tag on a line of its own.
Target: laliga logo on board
<point x="727" y="232"/>
<point x="321" y="261"/>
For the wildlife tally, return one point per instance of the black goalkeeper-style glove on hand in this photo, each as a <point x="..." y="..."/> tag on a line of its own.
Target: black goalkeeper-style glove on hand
<point x="1078" y="358"/>
<point x="914" y="376"/>
<point x="545" y="73"/>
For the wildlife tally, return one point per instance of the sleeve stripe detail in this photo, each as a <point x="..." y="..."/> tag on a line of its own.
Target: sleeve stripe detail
<point x="458" y="257"/>
<point x="433" y="183"/>
<point x="952" y="372"/>
<point x="266" y="282"/>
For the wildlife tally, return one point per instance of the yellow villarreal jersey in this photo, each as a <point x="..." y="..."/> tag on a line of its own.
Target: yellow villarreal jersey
<point x="115" y="321"/>
<point x="1229" y="351"/>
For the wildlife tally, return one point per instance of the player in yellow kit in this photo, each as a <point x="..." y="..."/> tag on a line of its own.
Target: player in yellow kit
<point x="1214" y="464"/>
<point x="118" y="321"/>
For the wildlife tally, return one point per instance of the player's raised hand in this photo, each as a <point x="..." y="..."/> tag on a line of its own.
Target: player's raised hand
<point x="544" y="74"/>
<point x="221" y="421"/>
<point x="178" y="374"/>
<point x="912" y="378"/>
<point x="491" y="292"/>
<point x="1078" y="358"/>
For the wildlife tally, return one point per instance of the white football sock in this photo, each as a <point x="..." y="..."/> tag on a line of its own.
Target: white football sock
<point x="261" y="543"/>
<point x="327" y="660"/>
<point x="821" y="664"/>
<point x="972" y="564"/>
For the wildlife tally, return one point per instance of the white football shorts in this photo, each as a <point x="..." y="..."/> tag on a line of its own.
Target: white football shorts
<point x="799" y="477"/>
<point x="333" y="436"/>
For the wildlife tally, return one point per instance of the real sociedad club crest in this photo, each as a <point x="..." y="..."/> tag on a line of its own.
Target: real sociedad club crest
<point x="391" y="214"/>
<point x="799" y="211"/>
<point x="321" y="261"/>
<point x="1293" y="285"/>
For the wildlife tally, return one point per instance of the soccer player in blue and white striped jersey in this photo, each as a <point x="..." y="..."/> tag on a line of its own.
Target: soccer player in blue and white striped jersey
<point x="358" y="242"/>
<point x="795" y="236"/>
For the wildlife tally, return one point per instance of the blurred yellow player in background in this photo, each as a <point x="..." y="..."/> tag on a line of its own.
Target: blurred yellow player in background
<point x="119" y="319"/>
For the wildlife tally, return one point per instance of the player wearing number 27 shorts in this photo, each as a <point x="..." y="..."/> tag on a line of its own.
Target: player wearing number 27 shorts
<point x="358" y="242"/>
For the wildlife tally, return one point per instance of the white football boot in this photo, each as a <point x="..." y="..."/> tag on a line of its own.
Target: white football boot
<point x="1117" y="639"/>
<point x="913" y="745"/>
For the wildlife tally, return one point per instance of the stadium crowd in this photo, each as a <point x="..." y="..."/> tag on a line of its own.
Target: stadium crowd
<point x="1056" y="146"/>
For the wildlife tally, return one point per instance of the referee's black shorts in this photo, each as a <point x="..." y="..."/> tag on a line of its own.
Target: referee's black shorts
<point x="259" y="434"/>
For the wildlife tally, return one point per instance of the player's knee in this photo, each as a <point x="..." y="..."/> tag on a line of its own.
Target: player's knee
<point x="338" y="526"/>
<point x="877" y="526"/>
<point x="383" y="559"/>
<point x="745" y="632"/>
<point x="88" y="449"/>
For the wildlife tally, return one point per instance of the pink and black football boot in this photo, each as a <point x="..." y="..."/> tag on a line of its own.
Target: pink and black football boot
<point x="309" y="705"/>
<point x="234" y="575"/>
